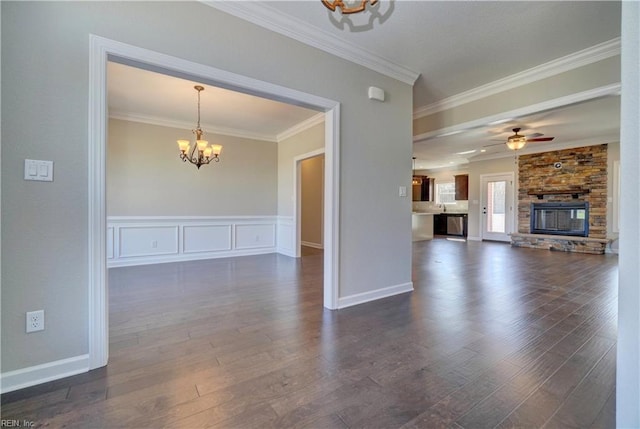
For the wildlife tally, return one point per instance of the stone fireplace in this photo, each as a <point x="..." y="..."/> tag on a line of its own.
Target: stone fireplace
<point x="562" y="200"/>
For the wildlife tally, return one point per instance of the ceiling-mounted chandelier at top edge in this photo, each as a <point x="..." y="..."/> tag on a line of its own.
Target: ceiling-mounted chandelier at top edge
<point x="347" y="10"/>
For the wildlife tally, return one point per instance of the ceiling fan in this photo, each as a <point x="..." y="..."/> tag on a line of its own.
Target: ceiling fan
<point x="517" y="141"/>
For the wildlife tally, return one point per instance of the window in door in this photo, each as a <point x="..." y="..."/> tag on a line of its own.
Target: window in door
<point x="496" y="206"/>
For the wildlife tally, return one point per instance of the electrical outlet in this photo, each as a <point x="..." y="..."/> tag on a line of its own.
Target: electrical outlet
<point x="35" y="321"/>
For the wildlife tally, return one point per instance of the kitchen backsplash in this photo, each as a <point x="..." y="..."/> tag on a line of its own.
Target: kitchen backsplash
<point x="431" y="207"/>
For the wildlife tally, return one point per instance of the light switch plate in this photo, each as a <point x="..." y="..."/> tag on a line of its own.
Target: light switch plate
<point x="402" y="191"/>
<point x="41" y="171"/>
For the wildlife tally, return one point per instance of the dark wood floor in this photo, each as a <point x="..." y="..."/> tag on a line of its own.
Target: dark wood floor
<point x="492" y="336"/>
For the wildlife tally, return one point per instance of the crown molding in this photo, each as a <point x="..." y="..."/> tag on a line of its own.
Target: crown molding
<point x="569" y="62"/>
<point x="211" y="129"/>
<point x="578" y="97"/>
<point x="302" y="126"/>
<point x="267" y="17"/>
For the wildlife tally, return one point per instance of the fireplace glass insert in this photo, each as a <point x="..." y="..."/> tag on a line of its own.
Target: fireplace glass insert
<point x="560" y="218"/>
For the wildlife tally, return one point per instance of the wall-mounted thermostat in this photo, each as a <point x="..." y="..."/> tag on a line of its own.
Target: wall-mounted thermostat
<point x="557" y="165"/>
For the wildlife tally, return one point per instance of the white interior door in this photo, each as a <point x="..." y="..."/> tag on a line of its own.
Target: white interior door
<point x="497" y="206"/>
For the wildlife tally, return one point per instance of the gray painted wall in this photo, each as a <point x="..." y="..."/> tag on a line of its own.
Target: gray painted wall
<point x="145" y="176"/>
<point x="45" y="54"/>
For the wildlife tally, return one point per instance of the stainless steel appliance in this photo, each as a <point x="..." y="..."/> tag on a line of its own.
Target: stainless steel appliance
<point x="455" y="225"/>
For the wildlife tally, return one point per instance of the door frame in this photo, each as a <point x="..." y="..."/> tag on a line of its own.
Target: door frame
<point x="510" y="220"/>
<point x="297" y="199"/>
<point x="100" y="51"/>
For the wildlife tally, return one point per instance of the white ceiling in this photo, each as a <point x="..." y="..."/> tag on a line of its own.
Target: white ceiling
<point x="454" y="46"/>
<point x="146" y="96"/>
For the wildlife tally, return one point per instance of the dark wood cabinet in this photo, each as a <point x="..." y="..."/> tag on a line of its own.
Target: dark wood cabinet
<point x="422" y="188"/>
<point x="462" y="187"/>
<point x="440" y="224"/>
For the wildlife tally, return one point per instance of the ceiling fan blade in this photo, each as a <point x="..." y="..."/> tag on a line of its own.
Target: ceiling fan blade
<point x="541" y="139"/>
<point x="534" y="135"/>
<point x="494" y="144"/>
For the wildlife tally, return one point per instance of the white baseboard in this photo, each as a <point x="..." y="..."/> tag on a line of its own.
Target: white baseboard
<point x="473" y="238"/>
<point x="310" y="244"/>
<point x="26" y="377"/>
<point x="286" y="252"/>
<point x="361" y="298"/>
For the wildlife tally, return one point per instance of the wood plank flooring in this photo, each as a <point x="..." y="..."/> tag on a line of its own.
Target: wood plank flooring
<point x="492" y="337"/>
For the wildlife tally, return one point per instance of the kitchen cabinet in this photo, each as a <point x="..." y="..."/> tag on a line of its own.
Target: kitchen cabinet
<point x="422" y="188"/>
<point x="440" y="224"/>
<point x="462" y="187"/>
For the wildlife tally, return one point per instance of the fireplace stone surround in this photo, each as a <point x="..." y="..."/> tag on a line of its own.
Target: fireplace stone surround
<point x="567" y="176"/>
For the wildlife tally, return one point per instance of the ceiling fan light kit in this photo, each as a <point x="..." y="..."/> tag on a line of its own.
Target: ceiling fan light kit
<point x="206" y="153"/>
<point x="516" y="141"/>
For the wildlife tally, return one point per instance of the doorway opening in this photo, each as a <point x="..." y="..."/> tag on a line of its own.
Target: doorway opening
<point x="101" y="51"/>
<point x="309" y="202"/>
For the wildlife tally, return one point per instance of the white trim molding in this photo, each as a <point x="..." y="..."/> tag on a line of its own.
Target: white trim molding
<point x="615" y="198"/>
<point x="331" y="221"/>
<point x="361" y="298"/>
<point x="38" y="374"/>
<point x="572" y="61"/>
<point x="267" y="17"/>
<point x="300" y="127"/>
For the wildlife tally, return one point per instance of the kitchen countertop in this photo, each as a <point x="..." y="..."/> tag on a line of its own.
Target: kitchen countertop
<point x="437" y="213"/>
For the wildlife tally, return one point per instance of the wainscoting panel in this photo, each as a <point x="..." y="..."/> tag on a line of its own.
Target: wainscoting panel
<point x="255" y="236"/>
<point x="137" y="240"/>
<point x="203" y="238"/>
<point x="285" y="236"/>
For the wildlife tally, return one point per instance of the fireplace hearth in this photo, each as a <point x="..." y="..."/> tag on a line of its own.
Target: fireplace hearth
<point x="560" y="218"/>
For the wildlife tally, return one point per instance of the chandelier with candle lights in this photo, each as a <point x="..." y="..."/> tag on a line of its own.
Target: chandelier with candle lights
<point x="200" y="153"/>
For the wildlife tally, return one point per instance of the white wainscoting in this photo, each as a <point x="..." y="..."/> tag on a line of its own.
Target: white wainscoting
<point x="140" y="240"/>
<point x="286" y="236"/>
